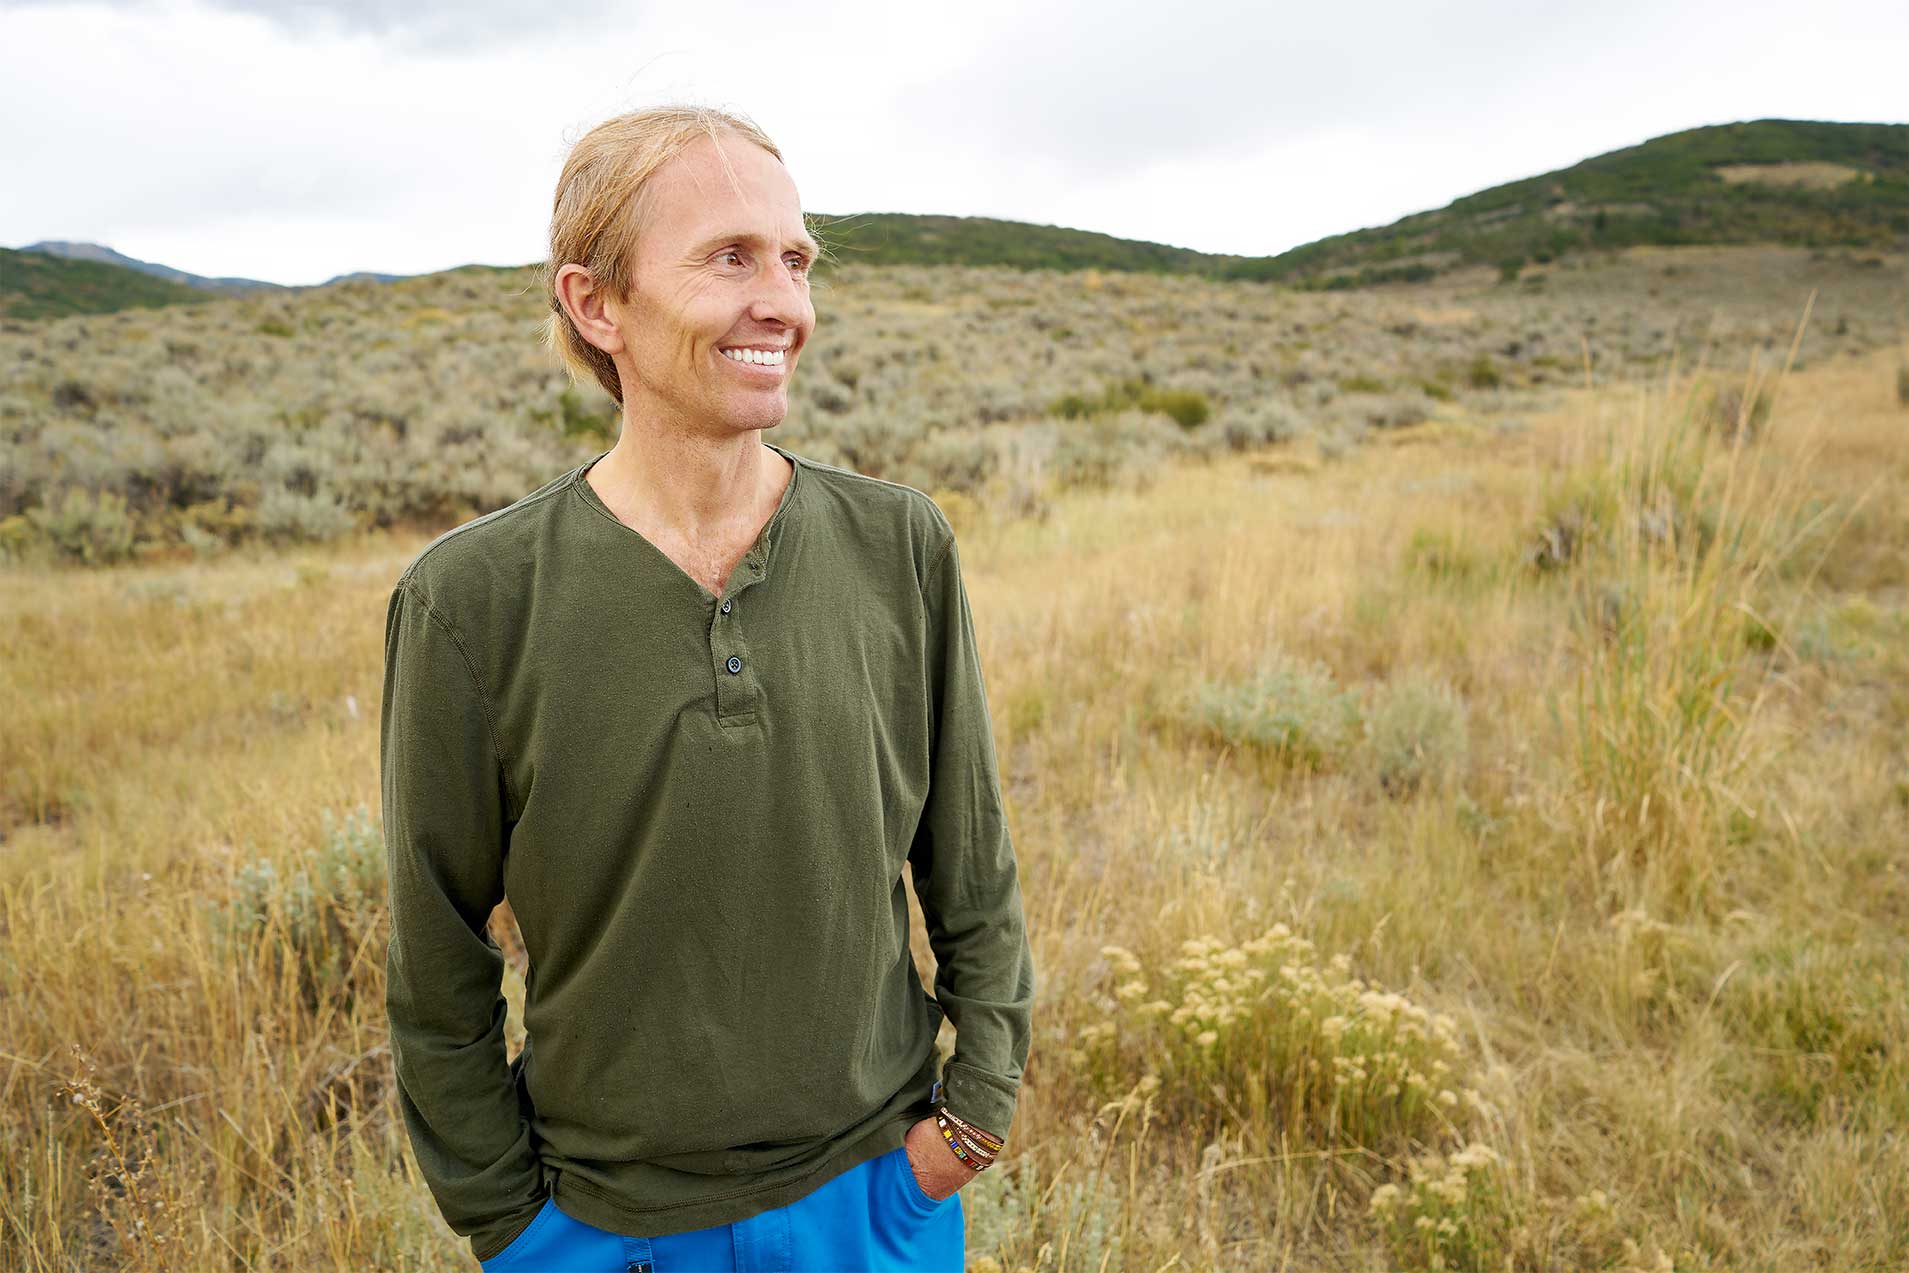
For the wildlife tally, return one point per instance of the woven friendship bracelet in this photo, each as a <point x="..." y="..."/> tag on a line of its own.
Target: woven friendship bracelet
<point x="985" y="1140"/>
<point x="969" y="1152"/>
<point x="967" y="1142"/>
<point x="971" y="1157"/>
<point x="977" y="1155"/>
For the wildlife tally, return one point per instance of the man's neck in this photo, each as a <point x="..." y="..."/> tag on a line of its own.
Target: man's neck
<point x="691" y="489"/>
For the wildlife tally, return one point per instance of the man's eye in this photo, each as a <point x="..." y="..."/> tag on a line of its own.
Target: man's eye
<point x="729" y="252"/>
<point x="801" y="264"/>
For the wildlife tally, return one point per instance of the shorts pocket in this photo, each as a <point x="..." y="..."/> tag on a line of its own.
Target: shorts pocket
<point x="916" y="1193"/>
<point x="522" y="1243"/>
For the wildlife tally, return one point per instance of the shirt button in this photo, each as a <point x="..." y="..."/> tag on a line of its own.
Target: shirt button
<point x="734" y="664"/>
<point x="726" y="606"/>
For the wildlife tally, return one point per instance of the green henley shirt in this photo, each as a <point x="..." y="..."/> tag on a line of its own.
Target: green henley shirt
<point x="700" y="808"/>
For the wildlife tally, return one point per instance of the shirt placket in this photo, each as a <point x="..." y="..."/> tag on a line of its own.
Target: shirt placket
<point x="738" y="692"/>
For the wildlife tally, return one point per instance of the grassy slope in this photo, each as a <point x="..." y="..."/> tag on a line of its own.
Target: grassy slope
<point x="1663" y="191"/>
<point x="898" y="238"/>
<point x="35" y="285"/>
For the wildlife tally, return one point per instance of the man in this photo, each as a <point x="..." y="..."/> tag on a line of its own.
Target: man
<point x="695" y="706"/>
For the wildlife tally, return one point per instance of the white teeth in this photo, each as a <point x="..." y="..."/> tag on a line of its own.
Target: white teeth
<point x="760" y="357"/>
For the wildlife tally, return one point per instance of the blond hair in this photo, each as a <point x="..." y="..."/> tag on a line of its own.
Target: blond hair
<point x="600" y="209"/>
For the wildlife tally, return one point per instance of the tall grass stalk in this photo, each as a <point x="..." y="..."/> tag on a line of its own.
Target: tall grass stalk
<point x="1676" y="636"/>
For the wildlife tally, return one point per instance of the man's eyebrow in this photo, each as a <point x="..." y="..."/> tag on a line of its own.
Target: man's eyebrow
<point x="805" y="243"/>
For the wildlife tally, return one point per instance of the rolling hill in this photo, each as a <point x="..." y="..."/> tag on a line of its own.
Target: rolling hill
<point x="41" y="285"/>
<point x="56" y="277"/>
<point x="1797" y="183"/>
<point x="100" y="252"/>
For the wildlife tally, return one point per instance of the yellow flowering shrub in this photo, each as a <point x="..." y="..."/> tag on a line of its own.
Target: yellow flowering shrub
<point x="1270" y="1029"/>
<point x="1451" y="1214"/>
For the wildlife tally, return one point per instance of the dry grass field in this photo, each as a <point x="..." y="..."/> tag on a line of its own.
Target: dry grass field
<point x="1484" y="848"/>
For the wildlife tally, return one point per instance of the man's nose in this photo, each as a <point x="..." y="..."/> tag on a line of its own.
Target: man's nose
<point x="778" y="295"/>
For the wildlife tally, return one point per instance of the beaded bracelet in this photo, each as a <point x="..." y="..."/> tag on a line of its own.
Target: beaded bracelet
<point x="969" y="1152"/>
<point x="972" y="1145"/>
<point x="973" y="1161"/>
<point x="987" y="1141"/>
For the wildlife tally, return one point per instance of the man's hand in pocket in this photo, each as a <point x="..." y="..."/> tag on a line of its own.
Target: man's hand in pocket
<point x="939" y="1172"/>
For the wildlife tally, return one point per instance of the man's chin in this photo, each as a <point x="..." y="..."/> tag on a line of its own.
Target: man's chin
<point x="759" y="418"/>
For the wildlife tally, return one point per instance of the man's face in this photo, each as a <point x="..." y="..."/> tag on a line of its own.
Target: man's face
<point x="721" y="265"/>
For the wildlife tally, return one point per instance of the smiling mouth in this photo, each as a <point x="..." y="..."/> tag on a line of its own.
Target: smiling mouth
<point x="769" y="369"/>
<point x="758" y="355"/>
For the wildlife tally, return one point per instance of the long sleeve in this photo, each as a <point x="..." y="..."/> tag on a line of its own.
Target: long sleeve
<point x="446" y="823"/>
<point x="965" y="874"/>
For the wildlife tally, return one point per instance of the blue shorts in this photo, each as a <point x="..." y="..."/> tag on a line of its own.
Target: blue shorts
<point x="872" y="1217"/>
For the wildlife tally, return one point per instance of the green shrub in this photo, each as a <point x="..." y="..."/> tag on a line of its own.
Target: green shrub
<point x="1126" y="447"/>
<point x="286" y="516"/>
<point x="1186" y="407"/>
<point x="1072" y="406"/>
<point x="958" y="459"/>
<point x="1293" y="712"/>
<point x="210" y="527"/>
<point x="1416" y="732"/>
<point x="1483" y="373"/>
<point x="1395" y="411"/>
<point x="16" y="537"/>
<point x="87" y="526"/>
<point x="1014" y="1211"/>
<point x="317" y="918"/>
<point x="1258" y="423"/>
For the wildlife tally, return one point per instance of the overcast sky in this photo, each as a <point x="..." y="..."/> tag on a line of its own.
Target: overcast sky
<point x="299" y="140"/>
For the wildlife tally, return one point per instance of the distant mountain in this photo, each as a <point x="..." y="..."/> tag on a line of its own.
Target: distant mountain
<point x="105" y="255"/>
<point x="55" y="277"/>
<point x="1794" y="182"/>
<point x="365" y="276"/>
<point x="41" y="285"/>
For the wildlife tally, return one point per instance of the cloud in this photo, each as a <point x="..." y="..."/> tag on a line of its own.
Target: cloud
<point x="295" y="141"/>
<point x="1108" y="92"/>
<point x="414" y="26"/>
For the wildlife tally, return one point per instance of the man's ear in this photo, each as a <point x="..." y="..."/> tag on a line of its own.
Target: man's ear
<point x="593" y="312"/>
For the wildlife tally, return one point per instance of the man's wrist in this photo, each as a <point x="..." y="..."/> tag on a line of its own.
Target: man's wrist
<point x="980" y="1097"/>
<point x="975" y="1148"/>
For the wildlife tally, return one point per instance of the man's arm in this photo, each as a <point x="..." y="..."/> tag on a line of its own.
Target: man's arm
<point x="445" y="827"/>
<point x="965" y="875"/>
